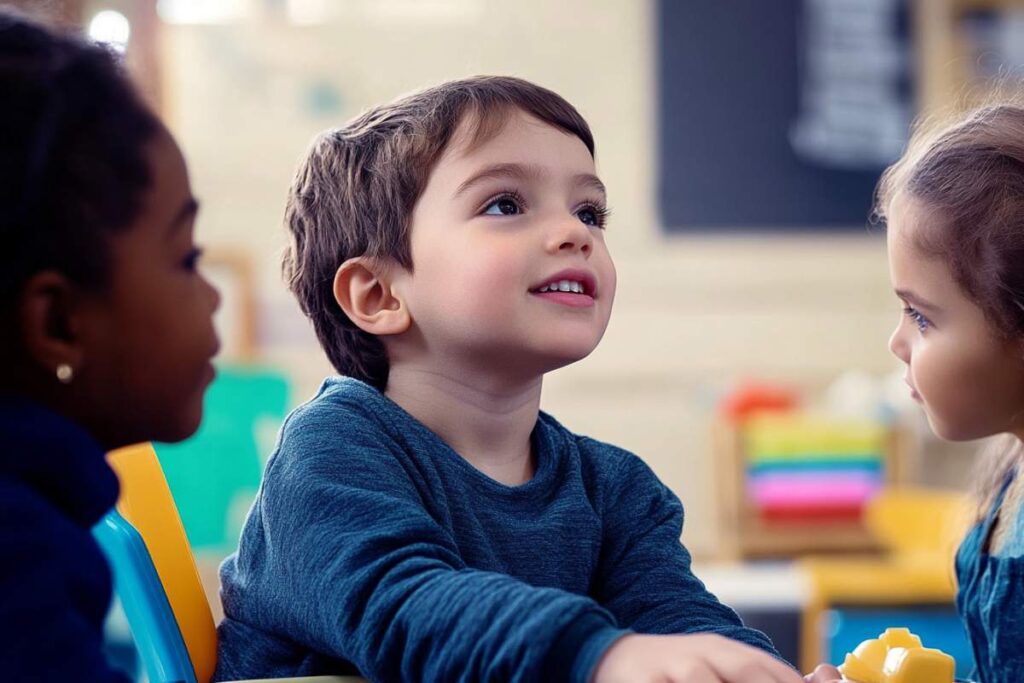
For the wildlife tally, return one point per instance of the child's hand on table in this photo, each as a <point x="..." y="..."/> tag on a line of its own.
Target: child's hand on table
<point x="824" y="673"/>
<point x="702" y="658"/>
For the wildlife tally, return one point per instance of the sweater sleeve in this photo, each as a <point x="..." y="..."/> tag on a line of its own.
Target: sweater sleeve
<point x="645" y="578"/>
<point x="43" y="635"/>
<point x="356" y="567"/>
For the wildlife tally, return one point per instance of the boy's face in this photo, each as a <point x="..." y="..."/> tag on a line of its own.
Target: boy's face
<point x="500" y="232"/>
<point x="968" y="379"/>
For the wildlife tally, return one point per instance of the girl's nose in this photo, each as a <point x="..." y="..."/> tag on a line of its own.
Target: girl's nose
<point x="898" y="345"/>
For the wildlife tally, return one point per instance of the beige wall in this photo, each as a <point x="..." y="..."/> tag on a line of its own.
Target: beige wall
<point x="692" y="314"/>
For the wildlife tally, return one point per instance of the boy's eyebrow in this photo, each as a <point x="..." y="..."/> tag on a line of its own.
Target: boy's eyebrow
<point x="914" y="299"/>
<point x="187" y="211"/>
<point x="499" y="172"/>
<point x="524" y="173"/>
<point x="590" y="180"/>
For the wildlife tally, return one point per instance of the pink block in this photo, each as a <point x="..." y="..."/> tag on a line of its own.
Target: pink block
<point x="780" y="490"/>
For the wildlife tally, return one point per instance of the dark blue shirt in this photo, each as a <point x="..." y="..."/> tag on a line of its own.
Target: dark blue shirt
<point x="990" y="599"/>
<point x="55" y="585"/>
<point x="372" y="543"/>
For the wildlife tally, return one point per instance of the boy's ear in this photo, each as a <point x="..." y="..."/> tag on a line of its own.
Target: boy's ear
<point x="362" y="287"/>
<point x="49" y="321"/>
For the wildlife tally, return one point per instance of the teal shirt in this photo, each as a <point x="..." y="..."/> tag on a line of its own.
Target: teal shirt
<point x="991" y="599"/>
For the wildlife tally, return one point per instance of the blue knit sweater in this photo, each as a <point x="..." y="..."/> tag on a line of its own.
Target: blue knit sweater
<point x="372" y="545"/>
<point x="54" y="581"/>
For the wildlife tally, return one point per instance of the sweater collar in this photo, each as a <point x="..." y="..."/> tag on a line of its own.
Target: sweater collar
<point x="57" y="458"/>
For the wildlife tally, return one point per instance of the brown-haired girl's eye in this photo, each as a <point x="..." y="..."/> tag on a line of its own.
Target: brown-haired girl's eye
<point x="915" y="315"/>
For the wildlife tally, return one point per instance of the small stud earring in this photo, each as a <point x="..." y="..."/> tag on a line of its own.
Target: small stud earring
<point x="65" y="373"/>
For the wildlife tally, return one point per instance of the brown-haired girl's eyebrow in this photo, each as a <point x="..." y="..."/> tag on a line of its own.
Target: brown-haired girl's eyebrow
<point x="915" y="300"/>
<point x="187" y="212"/>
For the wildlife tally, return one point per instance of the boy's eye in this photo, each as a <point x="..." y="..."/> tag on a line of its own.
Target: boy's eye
<point x="594" y="216"/>
<point x="503" y="206"/>
<point x="915" y="315"/>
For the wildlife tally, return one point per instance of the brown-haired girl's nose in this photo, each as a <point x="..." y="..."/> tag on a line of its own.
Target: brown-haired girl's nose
<point x="898" y="345"/>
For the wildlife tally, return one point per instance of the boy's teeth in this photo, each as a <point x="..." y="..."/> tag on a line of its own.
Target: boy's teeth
<point x="563" y="286"/>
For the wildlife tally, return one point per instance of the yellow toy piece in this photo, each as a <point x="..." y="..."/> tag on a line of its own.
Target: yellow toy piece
<point x="904" y="665"/>
<point x="866" y="662"/>
<point x="897" y="656"/>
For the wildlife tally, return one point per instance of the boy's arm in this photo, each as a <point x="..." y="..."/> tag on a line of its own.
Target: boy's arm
<point x="644" y="576"/>
<point x="354" y="566"/>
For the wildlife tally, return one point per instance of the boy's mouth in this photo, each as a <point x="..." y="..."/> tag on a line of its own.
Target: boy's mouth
<point x="574" y="288"/>
<point x="569" y="282"/>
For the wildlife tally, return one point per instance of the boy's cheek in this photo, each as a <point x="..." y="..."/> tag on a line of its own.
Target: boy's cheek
<point x="497" y="280"/>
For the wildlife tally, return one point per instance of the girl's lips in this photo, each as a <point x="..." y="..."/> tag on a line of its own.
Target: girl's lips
<point x="913" y="392"/>
<point x="567" y="299"/>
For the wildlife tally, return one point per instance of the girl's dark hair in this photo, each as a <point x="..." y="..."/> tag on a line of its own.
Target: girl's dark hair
<point x="970" y="177"/>
<point x="72" y="164"/>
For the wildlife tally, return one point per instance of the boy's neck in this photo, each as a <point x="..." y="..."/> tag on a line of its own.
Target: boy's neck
<point x="486" y="422"/>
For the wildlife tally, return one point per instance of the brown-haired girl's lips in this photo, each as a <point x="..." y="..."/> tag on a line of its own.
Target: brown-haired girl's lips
<point x="913" y="392"/>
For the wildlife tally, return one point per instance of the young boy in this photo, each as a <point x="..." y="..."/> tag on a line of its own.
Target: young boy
<point x="420" y="519"/>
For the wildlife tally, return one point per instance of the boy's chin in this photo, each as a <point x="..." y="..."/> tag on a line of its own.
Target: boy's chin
<point x="561" y="358"/>
<point x="526" y="362"/>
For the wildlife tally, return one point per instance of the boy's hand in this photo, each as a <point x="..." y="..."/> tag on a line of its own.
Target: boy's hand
<point x="825" y="673"/>
<point x="701" y="658"/>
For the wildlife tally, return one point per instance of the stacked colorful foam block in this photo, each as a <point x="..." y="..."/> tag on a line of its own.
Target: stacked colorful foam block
<point x="812" y="470"/>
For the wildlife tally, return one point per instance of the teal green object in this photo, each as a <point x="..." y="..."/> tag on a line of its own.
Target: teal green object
<point x="323" y="99"/>
<point x="868" y="465"/>
<point x="214" y="475"/>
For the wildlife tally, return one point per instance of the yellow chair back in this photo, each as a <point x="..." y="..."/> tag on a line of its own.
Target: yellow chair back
<point x="919" y="520"/>
<point x="147" y="504"/>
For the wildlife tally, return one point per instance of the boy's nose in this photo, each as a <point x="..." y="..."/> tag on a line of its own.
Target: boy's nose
<point x="572" y="235"/>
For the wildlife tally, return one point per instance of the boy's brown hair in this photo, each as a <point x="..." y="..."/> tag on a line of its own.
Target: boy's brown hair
<point x="354" y="194"/>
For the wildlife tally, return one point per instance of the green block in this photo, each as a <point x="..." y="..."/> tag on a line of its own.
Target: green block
<point x="214" y="475"/>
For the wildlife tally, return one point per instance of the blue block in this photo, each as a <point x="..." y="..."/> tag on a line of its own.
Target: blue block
<point x="938" y="627"/>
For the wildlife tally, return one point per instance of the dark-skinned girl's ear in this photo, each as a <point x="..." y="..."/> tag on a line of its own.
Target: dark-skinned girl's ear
<point x="47" y="311"/>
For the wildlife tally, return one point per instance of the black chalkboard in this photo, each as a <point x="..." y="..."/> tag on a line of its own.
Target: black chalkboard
<point x="739" y="83"/>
